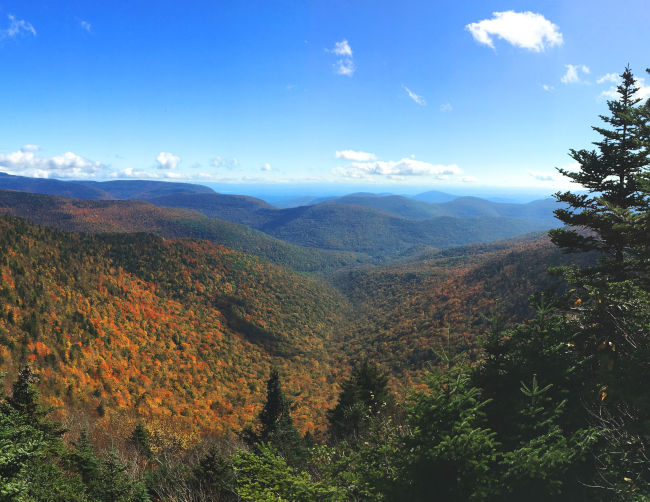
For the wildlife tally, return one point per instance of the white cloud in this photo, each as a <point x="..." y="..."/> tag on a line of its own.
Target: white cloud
<point x="86" y="26"/>
<point x="130" y="172"/>
<point x="406" y="167"/>
<point x="469" y="179"/>
<point x="266" y="167"/>
<point x="643" y="93"/>
<point x="544" y="176"/>
<point x="69" y="165"/>
<point x="355" y="155"/>
<point x="572" y="75"/>
<point x="556" y="180"/>
<point x="345" y="65"/>
<point x="17" y="27"/>
<point x="446" y="107"/>
<point x="527" y="30"/>
<point x="548" y="88"/>
<point x="167" y="161"/>
<point x="609" y="77"/>
<point x="221" y="163"/>
<point x="342" y="48"/>
<point x="415" y="97"/>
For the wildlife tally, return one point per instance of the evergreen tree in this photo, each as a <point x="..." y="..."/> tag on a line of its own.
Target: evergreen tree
<point x="32" y="453"/>
<point x="25" y="400"/>
<point x="276" y="424"/>
<point x="611" y="176"/>
<point x="450" y="451"/>
<point x="363" y="396"/>
<point x="140" y="440"/>
<point x="612" y="306"/>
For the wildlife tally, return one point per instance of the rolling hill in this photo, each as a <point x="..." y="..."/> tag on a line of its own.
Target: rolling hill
<point x="381" y="226"/>
<point x="133" y="216"/>
<point x="369" y="226"/>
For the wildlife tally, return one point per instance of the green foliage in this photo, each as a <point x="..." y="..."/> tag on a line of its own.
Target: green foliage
<point x="140" y="440"/>
<point x="363" y="396"/>
<point x="610" y="174"/>
<point x="265" y="476"/>
<point x="276" y="425"/>
<point x="612" y="304"/>
<point x="31" y="450"/>
<point x="450" y="451"/>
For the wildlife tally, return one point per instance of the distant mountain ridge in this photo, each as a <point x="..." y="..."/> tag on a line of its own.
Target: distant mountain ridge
<point x="381" y="226"/>
<point x="82" y="189"/>
<point x="126" y="216"/>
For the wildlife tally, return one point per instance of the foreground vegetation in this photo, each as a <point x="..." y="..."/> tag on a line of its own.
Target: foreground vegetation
<point x="554" y="408"/>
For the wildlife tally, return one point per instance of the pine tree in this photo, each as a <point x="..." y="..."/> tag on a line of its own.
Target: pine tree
<point x="140" y="440"/>
<point x="363" y="396"/>
<point x="613" y="301"/>
<point x="25" y="400"/>
<point x="611" y="176"/>
<point x="276" y="424"/>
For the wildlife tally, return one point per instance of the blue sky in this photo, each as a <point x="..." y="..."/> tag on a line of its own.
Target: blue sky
<point x="412" y="95"/>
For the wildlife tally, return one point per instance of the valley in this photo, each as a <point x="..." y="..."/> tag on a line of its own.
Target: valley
<point x="166" y="311"/>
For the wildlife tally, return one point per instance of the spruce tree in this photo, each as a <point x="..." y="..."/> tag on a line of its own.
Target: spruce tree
<point x="610" y="174"/>
<point x="364" y="395"/>
<point x="276" y="424"/>
<point x="612" y="304"/>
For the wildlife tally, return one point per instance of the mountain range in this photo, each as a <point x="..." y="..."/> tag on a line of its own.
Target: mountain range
<point x="163" y="308"/>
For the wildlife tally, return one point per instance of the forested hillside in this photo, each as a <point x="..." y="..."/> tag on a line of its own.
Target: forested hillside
<point x="93" y="216"/>
<point x="407" y="313"/>
<point x="184" y="329"/>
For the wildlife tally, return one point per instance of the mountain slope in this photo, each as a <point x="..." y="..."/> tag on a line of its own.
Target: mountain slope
<point x="405" y="313"/>
<point x="394" y="204"/>
<point x="133" y="216"/>
<point x="379" y="234"/>
<point x="356" y="228"/>
<point x="135" y="325"/>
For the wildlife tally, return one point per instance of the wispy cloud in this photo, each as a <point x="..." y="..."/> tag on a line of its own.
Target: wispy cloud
<point x="544" y="175"/>
<point x="345" y="65"/>
<point x="614" y="79"/>
<point x="609" y="77"/>
<point x="85" y="25"/>
<point x="17" y="27"/>
<point x="446" y="107"/>
<point x="527" y="30"/>
<point x="572" y="75"/>
<point x="355" y="155"/>
<point x="369" y="168"/>
<point x="167" y="161"/>
<point x="26" y="162"/>
<point x="342" y="48"/>
<point x="554" y="179"/>
<point x="548" y="88"/>
<point x="415" y="97"/>
<point x="223" y="163"/>
<point x="266" y="167"/>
